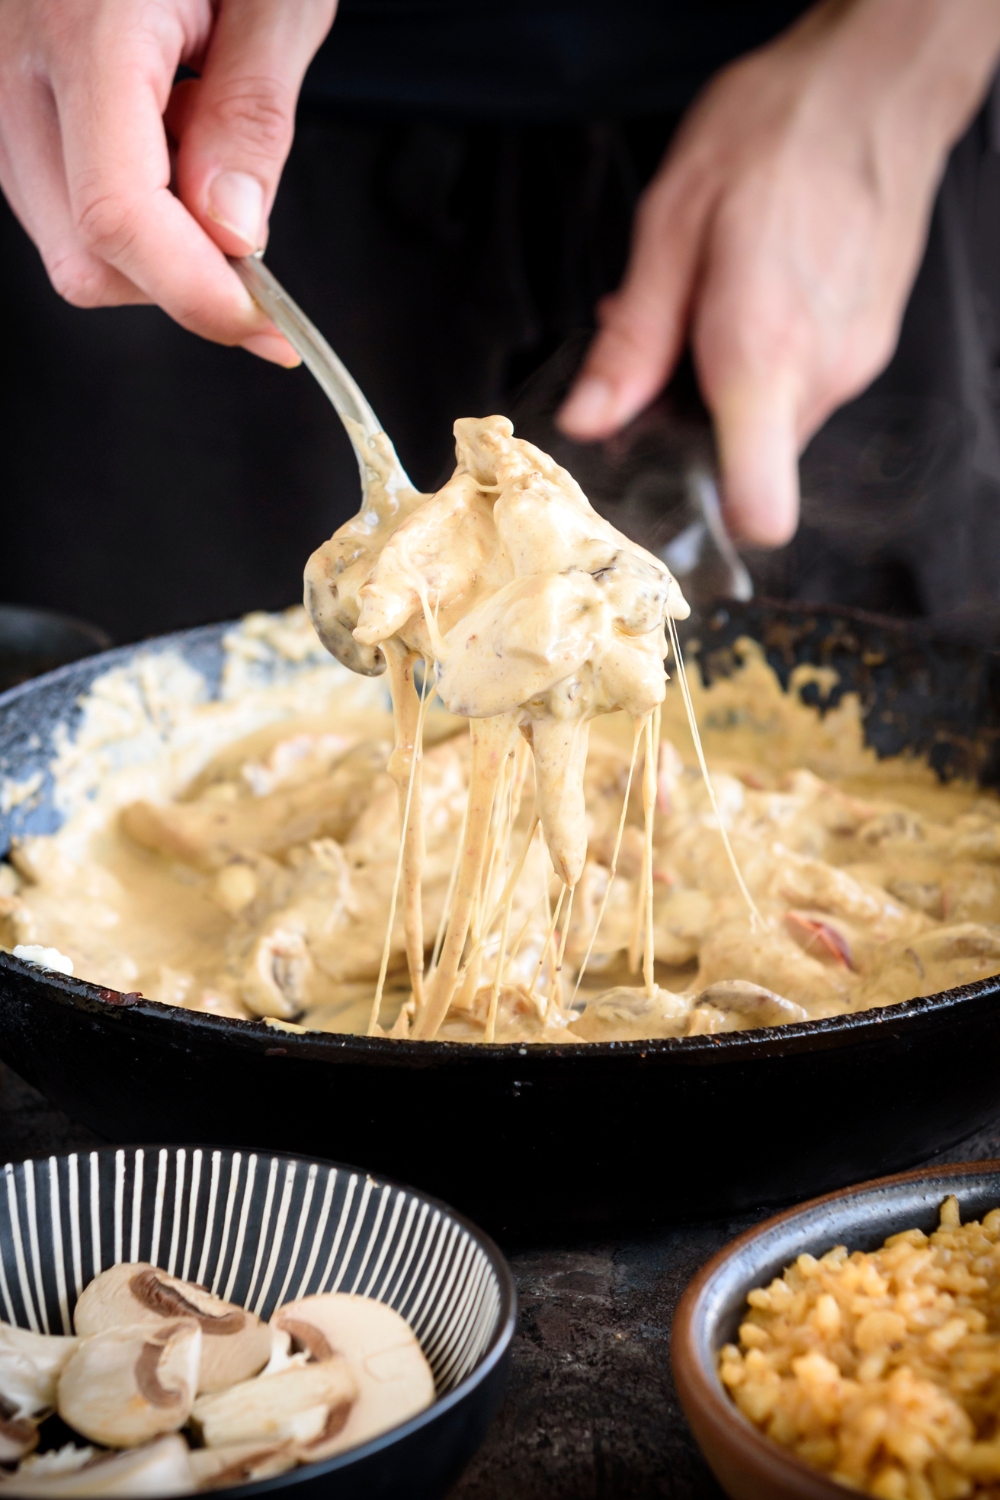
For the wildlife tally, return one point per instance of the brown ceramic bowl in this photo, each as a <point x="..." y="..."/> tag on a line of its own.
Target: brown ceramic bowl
<point x="748" y="1465"/>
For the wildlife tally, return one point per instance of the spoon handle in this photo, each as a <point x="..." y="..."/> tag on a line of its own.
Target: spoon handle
<point x="307" y="341"/>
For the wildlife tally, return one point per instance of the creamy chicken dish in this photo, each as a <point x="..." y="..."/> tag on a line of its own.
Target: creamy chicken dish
<point x="566" y="872"/>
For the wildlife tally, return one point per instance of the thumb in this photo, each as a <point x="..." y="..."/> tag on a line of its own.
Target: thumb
<point x="755" y="430"/>
<point x="234" y="125"/>
<point x="642" y="325"/>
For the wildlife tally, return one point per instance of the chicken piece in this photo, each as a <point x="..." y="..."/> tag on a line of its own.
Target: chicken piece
<point x="681" y="918"/>
<point x="976" y="836"/>
<point x="933" y="961"/>
<point x="970" y="893"/>
<point x="211" y="831"/>
<point x="445" y="548"/>
<point x="811" y="883"/>
<point x="769" y="957"/>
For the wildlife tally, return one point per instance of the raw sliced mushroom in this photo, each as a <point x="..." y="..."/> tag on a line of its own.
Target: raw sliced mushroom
<point x="18" y="1435"/>
<point x="160" y="1468"/>
<point x="282" y="1357"/>
<point x="300" y="1405"/>
<point x="29" y="1369"/>
<point x="754" y="1005"/>
<point x="239" y="1463"/>
<point x="127" y="1385"/>
<point x="394" y="1379"/>
<point x="236" y="1343"/>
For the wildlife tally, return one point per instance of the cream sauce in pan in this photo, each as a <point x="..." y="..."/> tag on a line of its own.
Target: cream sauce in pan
<point x="552" y="883"/>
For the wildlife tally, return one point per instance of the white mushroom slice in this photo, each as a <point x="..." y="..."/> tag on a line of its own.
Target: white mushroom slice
<point x="394" y="1379"/>
<point x="18" y="1435"/>
<point x="299" y="1405"/>
<point x="29" y="1369"/>
<point x="127" y="1385"/>
<point x="754" y="1005"/>
<point x="240" y="1463"/>
<point x="160" y="1468"/>
<point x="236" y="1343"/>
<point x="282" y="1357"/>
<point x="64" y="1460"/>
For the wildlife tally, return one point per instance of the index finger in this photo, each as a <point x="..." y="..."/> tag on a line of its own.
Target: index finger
<point x="118" y="174"/>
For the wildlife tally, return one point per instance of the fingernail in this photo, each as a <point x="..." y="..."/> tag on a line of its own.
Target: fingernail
<point x="273" y="347"/>
<point x="236" y="200"/>
<point x="589" y="406"/>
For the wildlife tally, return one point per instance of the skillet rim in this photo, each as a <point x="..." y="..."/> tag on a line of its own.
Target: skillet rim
<point x="855" y="1027"/>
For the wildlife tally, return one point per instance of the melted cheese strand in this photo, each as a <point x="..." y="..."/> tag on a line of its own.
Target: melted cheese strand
<point x="449" y="894"/>
<point x="479" y="934"/>
<point x="528" y="919"/>
<point x="491" y="1018"/>
<point x="425" y="698"/>
<point x="636" y="733"/>
<point x="499" y="820"/>
<point x="555" y="989"/>
<point x="490" y="743"/>
<point x="553" y="919"/>
<point x="649" y="809"/>
<point x="404" y="767"/>
<point x="755" y="916"/>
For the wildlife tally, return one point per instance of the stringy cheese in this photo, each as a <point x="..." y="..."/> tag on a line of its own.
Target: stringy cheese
<point x="534" y="616"/>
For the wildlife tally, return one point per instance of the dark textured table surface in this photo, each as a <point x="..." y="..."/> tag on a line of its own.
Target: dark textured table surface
<point x="591" y="1411"/>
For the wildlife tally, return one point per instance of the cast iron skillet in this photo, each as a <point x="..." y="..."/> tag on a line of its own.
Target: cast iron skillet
<point x="539" y="1138"/>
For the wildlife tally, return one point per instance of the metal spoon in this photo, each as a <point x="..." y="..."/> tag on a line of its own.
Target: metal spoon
<point x="698" y="550"/>
<point x="348" y="400"/>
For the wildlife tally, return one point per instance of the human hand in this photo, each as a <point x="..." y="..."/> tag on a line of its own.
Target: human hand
<point x="783" y="233"/>
<point x="87" y="103"/>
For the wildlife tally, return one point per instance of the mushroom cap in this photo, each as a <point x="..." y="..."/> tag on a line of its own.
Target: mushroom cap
<point x="29" y="1369"/>
<point x="394" y="1379"/>
<point x="160" y="1468"/>
<point x="301" y="1405"/>
<point x="127" y="1385"/>
<point x="236" y="1343"/>
<point x="241" y="1463"/>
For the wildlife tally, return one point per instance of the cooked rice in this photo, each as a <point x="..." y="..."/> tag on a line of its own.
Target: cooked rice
<point x="883" y="1369"/>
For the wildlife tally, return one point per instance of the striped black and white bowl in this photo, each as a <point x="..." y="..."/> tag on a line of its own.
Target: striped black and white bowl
<point x="260" y="1229"/>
